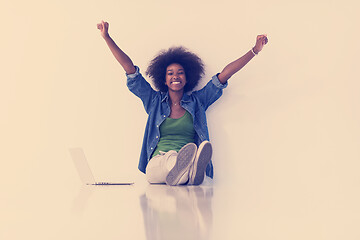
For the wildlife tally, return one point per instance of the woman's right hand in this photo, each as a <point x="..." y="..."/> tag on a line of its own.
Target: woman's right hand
<point x="103" y="27"/>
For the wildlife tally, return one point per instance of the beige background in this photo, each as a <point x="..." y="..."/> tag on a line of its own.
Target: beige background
<point x="285" y="132"/>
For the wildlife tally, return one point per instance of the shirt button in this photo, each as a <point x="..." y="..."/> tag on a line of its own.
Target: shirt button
<point x="157" y="125"/>
<point x="164" y="116"/>
<point x="151" y="148"/>
<point x="157" y="136"/>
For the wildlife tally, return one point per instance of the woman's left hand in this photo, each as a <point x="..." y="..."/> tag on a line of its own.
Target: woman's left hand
<point x="261" y="40"/>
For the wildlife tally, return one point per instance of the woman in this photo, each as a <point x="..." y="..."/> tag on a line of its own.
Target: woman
<point x="176" y="148"/>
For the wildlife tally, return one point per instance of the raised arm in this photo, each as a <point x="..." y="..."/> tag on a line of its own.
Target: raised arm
<point x="120" y="56"/>
<point x="238" y="64"/>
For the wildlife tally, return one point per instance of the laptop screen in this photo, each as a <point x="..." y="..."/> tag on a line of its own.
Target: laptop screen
<point x="82" y="165"/>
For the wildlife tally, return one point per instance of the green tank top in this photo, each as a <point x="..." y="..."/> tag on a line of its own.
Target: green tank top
<point x="175" y="133"/>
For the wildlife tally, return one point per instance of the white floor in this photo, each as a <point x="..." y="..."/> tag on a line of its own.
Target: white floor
<point x="211" y="211"/>
<point x="140" y="211"/>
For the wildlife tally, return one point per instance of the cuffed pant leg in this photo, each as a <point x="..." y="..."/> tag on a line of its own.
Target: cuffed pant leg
<point x="159" y="167"/>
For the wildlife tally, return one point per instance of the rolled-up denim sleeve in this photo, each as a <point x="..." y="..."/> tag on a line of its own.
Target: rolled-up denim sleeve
<point x="210" y="92"/>
<point x="135" y="74"/>
<point x="215" y="80"/>
<point x="141" y="88"/>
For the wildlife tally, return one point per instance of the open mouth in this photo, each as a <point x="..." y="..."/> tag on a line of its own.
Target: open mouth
<point x="176" y="82"/>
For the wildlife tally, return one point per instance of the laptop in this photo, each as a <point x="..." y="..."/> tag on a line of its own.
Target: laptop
<point x="84" y="170"/>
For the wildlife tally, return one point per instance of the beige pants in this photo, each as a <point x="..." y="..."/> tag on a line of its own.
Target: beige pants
<point x="159" y="167"/>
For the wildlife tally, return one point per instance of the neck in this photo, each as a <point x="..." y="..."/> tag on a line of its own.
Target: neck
<point x="175" y="97"/>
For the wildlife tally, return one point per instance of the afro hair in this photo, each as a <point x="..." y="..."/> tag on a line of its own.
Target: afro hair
<point x="192" y="64"/>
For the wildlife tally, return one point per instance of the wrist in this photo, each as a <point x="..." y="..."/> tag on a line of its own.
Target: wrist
<point x="106" y="36"/>
<point x="254" y="51"/>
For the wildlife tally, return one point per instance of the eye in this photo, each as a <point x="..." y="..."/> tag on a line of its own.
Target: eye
<point x="170" y="73"/>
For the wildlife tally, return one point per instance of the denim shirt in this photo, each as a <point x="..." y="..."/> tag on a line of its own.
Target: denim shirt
<point x="157" y="107"/>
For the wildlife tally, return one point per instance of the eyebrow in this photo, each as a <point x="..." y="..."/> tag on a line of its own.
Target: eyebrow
<point x="180" y="69"/>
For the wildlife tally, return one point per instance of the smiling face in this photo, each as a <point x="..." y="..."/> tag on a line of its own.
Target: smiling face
<point x="175" y="77"/>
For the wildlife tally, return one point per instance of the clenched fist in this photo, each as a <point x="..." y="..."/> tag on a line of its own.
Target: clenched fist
<point x="104" y="28"/>
<point x="261" y="40"/>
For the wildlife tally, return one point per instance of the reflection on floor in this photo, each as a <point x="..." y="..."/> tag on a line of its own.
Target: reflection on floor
<point x="240" y="210"/>
<point x="165" y="212"/>
<point x="182" y="212"/>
